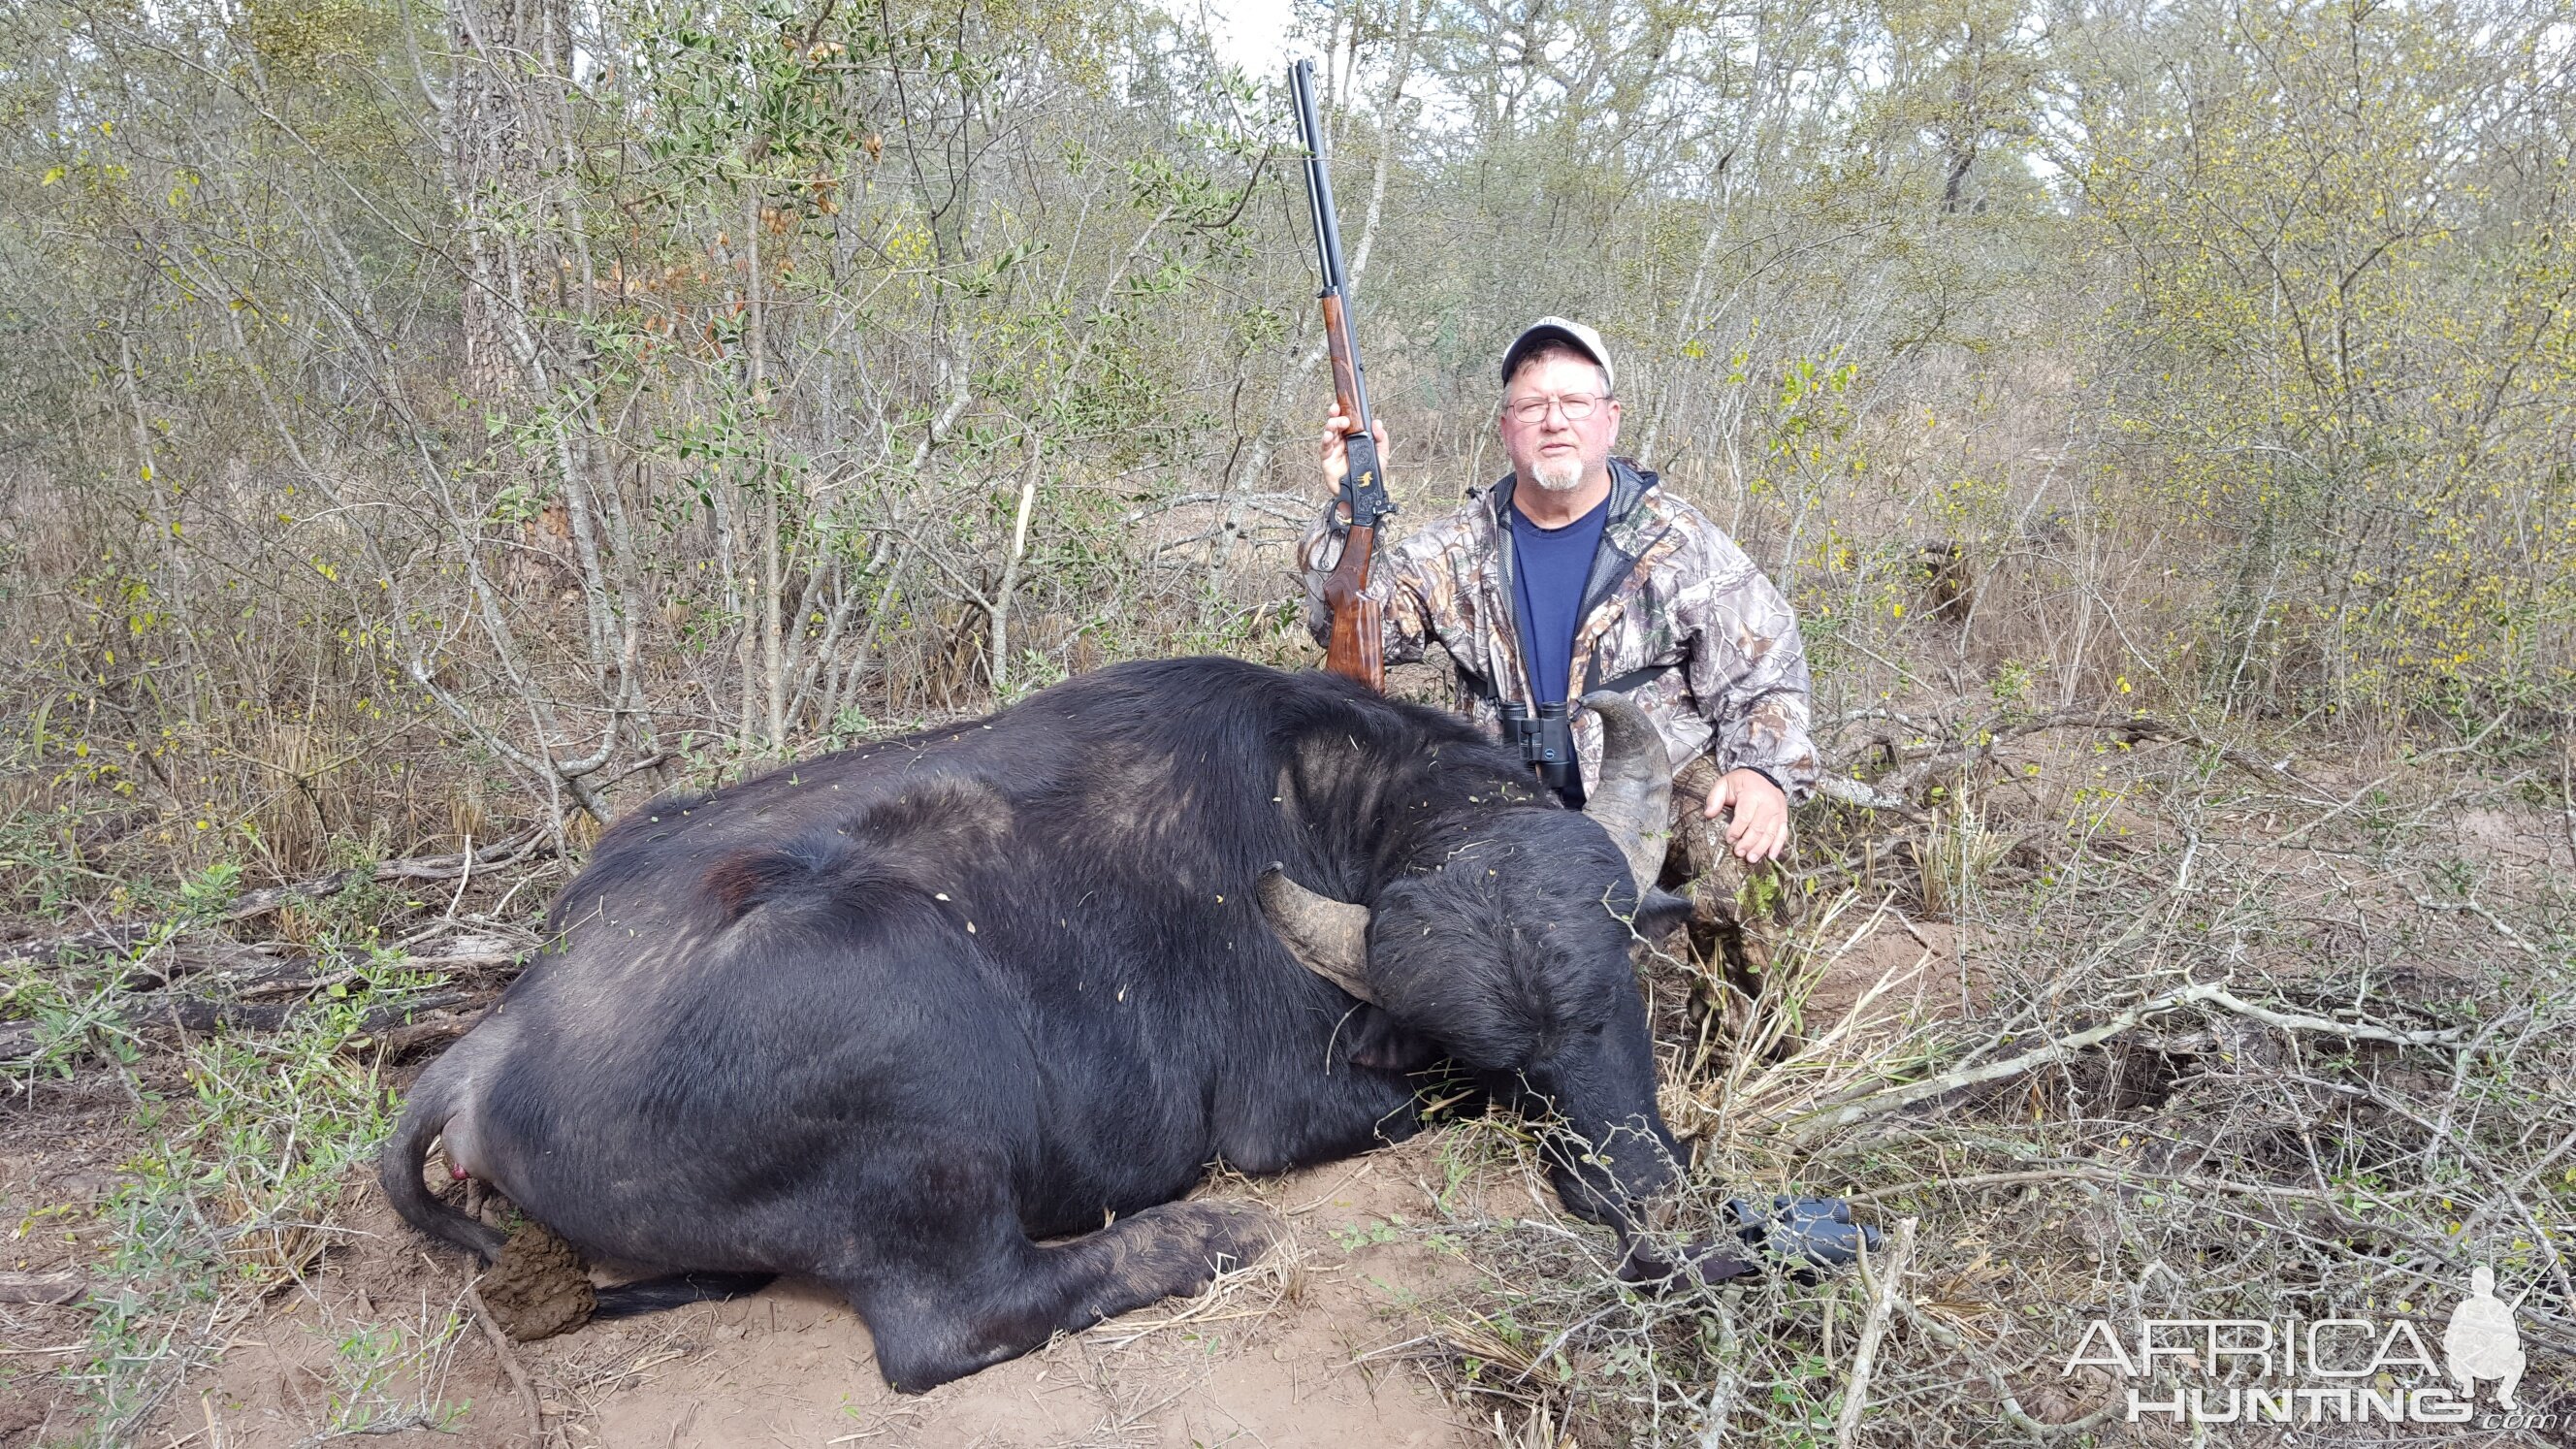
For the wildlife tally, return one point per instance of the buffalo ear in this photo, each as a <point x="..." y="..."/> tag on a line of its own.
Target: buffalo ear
<point x="1658" y="912"/>
<point x="1380" y="1041"/>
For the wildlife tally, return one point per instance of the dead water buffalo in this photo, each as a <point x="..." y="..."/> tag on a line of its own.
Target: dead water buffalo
<point x="897" y="1017"/>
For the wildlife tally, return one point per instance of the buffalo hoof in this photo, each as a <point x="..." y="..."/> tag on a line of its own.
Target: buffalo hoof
<point x="935" y="1328"/>
<point x="1175" y="1249"/>
<point x="1708" y="1261"/>
<point x="1222" y="1236"/>
<point x="538" y="1287"/>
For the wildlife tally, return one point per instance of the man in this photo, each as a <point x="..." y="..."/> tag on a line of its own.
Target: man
<point x="1577" y="572"/>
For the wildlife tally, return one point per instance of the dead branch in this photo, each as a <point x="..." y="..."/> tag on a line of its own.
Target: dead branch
<point x="530" y="842"/>
<point x="124" y="936"/>
<point x="1895" y="1098"/>
<point x="529" y="1403"/>
<point x="2107" y="1175"/>
<point x="2357" y="796"/>
<point x="1941" y="1334"/>
<point x="268" y="995"/>
<point x="2135" y="728"/>
<point x="1868" y="797"/>
<point x="1890" y="1277"/>
<point x="2472" y="906"/>
<point x="20" y="1040"/>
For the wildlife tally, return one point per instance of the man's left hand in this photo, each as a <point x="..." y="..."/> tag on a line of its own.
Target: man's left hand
<point x="1761" y="828"/>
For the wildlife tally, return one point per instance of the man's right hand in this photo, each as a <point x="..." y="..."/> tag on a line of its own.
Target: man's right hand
<point x="1760" y="830"/>
<point x="1337" y="450"/>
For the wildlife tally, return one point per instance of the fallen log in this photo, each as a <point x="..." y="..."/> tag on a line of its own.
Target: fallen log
<point x="269" y="994"/>
<point x="535" y="840"/>
<point x="532" y="843"/>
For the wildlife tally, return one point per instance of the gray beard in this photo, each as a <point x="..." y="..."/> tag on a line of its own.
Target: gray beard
<point x="1555" y="479"/>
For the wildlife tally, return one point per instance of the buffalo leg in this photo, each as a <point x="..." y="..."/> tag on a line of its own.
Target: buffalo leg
<point x="982" y="1292"/>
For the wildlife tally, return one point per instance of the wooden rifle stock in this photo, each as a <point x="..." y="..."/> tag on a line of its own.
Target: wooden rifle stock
<point x="1357" y="650"/>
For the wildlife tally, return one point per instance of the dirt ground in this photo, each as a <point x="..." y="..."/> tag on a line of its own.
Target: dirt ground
<point x="1308" y="1348"/>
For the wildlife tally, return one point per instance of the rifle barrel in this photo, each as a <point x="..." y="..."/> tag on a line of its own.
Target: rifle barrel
<point x="1319" y="178"/>
<point x="1328" y="237"/>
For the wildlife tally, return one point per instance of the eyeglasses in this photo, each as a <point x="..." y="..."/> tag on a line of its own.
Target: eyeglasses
<point x="1534" y="409"/>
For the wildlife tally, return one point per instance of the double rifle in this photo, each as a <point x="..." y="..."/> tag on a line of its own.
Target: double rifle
<point x="1355" y="650"/>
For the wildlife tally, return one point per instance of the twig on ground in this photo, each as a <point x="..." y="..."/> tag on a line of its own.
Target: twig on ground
<point x="19" y="1041"/>
<point x="1721" y="1395"/>
<point x="252" y="904"/>
<point x="2567" y="797"/>
<point x="2133" y="727"/>
<point x="508" y="851"/>
<point x="2472" y="906"/>
<point x="2101" y="1173"/>
<point x="1900" y="1252"/>
<point x="2357" y="796"/>
<point x="2296" y="1021"/>
<point x="518" y="1375"/>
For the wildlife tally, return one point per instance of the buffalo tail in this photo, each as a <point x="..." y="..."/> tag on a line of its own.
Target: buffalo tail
<point x="399" y="1170"/>
<point x="652" y="1295"/>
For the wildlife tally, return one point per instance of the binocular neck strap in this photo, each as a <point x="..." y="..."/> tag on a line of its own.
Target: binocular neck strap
<point x="1621" y="684"/>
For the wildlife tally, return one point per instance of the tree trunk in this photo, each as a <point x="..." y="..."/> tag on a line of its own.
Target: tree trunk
<point x="492" y="160"/>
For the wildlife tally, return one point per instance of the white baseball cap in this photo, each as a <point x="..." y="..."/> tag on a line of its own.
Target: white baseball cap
<point x="1557" y="329"/>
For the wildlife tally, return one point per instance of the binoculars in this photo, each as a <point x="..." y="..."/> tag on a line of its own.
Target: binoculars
<point x="1808" y="1231"/>
<point x="1546" y="743"/>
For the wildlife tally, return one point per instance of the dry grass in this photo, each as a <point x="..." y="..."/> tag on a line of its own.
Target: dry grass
<point x="2259" y="1149"/>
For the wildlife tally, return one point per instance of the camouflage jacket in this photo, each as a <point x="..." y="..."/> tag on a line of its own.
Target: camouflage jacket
<point x="1674" y="614"/>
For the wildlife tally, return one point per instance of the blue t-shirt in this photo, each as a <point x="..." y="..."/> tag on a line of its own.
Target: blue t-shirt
<point x="1549" y="569"/>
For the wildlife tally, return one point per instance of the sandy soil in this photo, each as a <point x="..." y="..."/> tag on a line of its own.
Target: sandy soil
<point x="1279" y="1356"/>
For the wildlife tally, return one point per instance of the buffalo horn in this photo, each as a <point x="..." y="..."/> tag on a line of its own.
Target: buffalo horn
<point x="1328" y="937"/>
<point x="1633" y="798"/>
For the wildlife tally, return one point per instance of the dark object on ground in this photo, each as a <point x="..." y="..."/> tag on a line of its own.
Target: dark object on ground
<point x="893" y="1018"/>
<point x="43" y="1287"/>
<point x="538" y="1288"/>
<point x="1810" y="1231"/>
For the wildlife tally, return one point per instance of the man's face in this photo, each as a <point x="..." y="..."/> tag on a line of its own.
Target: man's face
<point x="1550" y="449"/>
